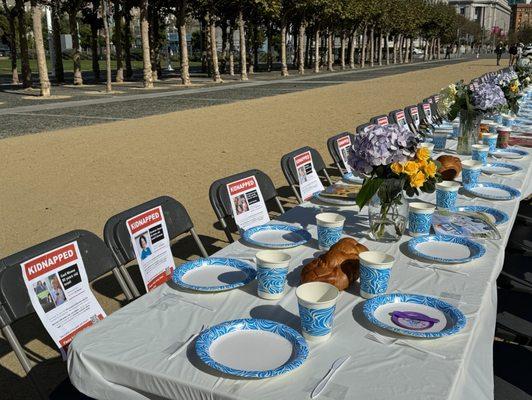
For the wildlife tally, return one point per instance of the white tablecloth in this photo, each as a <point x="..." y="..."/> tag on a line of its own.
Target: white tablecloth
<point x="125" y="355"/>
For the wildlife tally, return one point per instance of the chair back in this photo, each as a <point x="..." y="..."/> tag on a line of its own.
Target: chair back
<point x="334" y="148"/>
<point x="362" y="128"/>
<point x="399" y="117"/>
<point x="413" y="117"/>
<point x="380" y="120"/>
<point x="15" y="301"/>
<point x="221" y="201"/>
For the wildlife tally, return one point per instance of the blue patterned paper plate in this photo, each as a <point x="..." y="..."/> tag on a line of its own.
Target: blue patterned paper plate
<point x="252" y="348"/>
<point x="379" y="310"/>
<point x="510" y="152"/>
<point x="438" y="248"/>
<point x="500" y="168"/>
<point x="499" y="217"/>
<point x="330" y="200"/>
<point x="350" y="178"/>
<point x="492" y="191"/>
<point x="276" y="236"/>
<point x="214" y="274"/>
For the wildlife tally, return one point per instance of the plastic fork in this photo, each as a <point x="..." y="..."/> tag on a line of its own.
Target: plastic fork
<point x="436" y="267"/>
<point x="187" y="342"/>
<point x="387" y="340"/>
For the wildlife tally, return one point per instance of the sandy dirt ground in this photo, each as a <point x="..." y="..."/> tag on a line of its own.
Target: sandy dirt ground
<point x="77" y="178"/>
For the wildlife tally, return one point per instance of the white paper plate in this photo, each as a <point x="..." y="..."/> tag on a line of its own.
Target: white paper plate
<point x="276" y="236"/>
<point x="446" y="249"/>
<point x="492" y="191"/>
<point x="336" y="202"/>
<point x="500" y="169"/>
<point x="509" y="153"/>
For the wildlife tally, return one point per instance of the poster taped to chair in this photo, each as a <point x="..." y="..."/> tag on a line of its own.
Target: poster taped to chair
<point x="59" y="291"/>
<point x="247" y="203"/>
<point x="428" y="112"/>
<point x="401" y="120"/>
<point x="344" y="143"/>
<point x="309" y="181"/>
<point x="414" y="112"/>
<point x="150" y="240"/>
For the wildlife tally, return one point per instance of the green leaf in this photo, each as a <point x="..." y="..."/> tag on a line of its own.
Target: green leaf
<point x="368" y="190"/>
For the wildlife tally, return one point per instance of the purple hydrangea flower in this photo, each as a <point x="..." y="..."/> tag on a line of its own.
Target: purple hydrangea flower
<point x="381" y="145"/>
<point x="487" y="96"/>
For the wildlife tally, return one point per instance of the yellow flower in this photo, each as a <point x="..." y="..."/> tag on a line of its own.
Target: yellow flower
<point x="417" y="180"/>
<point x="430" y="169"/>
<point x="396" y="168"/>
<point x="422" y="163"/>
<point x="423" y="153"/>
<point x="410" y="168"/>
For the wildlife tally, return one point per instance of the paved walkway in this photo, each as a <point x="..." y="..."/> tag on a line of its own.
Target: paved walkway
<point x="23" y="113"/>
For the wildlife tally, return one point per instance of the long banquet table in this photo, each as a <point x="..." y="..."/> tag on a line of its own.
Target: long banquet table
<point x="125" y="356"/>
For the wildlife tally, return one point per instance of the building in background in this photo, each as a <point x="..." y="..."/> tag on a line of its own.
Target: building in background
<point x="492" y="15"/>
<point x="521" y="15"/>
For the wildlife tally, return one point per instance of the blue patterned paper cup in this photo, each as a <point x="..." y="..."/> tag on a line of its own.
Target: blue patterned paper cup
<point x="480" y="152"/>
<point x="420" y="218"/>
<point x="439" y="140"/>
<point x="317" y="303"/>
<point x="456" y="130"/>
<point x="470" y="172"/>
<point x="446" y="194"/>
<point x="375" y="270"/>
<point x="490" y="139"/>
<point x="507" y="120"/>
<point x="330" y="227"/>
<point x="272" y="268"/>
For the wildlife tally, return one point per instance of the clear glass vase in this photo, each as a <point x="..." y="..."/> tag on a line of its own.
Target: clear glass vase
<point x="387" y="220"/>
<point x="469" y="132"/>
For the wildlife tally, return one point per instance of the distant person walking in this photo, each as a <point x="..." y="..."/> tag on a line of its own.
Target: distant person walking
<point x="498" y="51"/>
<point x="513" y="54"/>
<point x="448" y="50"/>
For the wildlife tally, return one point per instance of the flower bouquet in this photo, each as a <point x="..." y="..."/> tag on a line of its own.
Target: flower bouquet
<point x="509" y="83"/>
<point x="390" y="159"/>
<point x="471" y="102"/>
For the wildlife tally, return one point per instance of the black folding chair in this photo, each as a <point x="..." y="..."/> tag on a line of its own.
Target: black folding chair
<point x="424" y="116"/>
<point x="117" y="236"/>
<point x="380" y="120"/>
<point x="334" y="150"/>
<point x="511" y="369"/>
<point x="410" y="114"/>
<point x="221" y="201"/>
<point x="290" y="172"/>
<point x="15" y="303"/>
<point x="396" y="116"/>
<point x="362" y="128"/>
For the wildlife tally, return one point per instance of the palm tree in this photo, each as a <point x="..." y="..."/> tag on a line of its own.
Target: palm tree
<point x="145" y="38"/>
<point x="117" y="41"/>
<point x="242" y="43"/>
<point x="23" y="43"/>
<point x="127" y="39"/>
<point x="181" y="21"/>
<point x="108" y="85"/>
<point x="55" y="6"/>
<point x="72" y="8"/>
<point x="11" y="15"/>
<point x="36" y="13"/>
<point x="210" y="19"/>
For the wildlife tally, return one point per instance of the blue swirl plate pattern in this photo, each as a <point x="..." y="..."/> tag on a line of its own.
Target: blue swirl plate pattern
<point x="509" y="153"/>
<point x="476" y="250"/>
<point x="248" y="271"/>
<point x="351" y="178"/>
<point x="206" y="339"/>
<point x="455" y="318"/>
<point x="475" y="189"/>
<point x="507" y="169"/>
<point x="500" y="217"/>
<point x="297" y="236"/>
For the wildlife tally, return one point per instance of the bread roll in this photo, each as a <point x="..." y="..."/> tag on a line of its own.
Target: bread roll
<point x="450" y="167"/>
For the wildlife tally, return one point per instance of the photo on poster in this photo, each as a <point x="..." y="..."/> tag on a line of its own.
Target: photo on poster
<point x="241" y="204"/>
<point x="143" y="244"/>
<point x="345" y="154"/>
<point x="43" y="292"/>
<point x="57" y="292"/>
<point x="247" y="203"/>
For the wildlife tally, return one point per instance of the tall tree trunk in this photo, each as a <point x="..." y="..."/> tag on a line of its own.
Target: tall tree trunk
<point x="439" y="48"/>
<point x="183" y="48"/>
<point x="308" y="48"/>
<point x="400" y="48"/>
<point x="330" y="50"/>
<point x="284" y="62"/>
<point x="352" y="50"/>
<point x="301" y="41"/>
<point x="342" y="50"/>
<point x="56" y="38"/>
<point x="23" y="43"/>
<point x="127" y="43"/>
<point x="255" y="48"/>
<point x="214" y="51"/>
<point x="231" y="50"/>
<point x="316" y="49"/>
<point x="118" y="19"/>
<point x="364" y="45"/>
<point x="242" y="43"/>
<point x="408" y="42"/>
<point x="39" y="49"/>
<point x="379" y="49"/>
<point x="153" y="21"/>
<point x="145" y="38"/>
<point x="104" y="8"/>
<point x="411" y="50"/>
<point x="425" y="50"/>
<point x="395" y="49"/>
<point x="295" y="35"/>
<point x="269" y="57"/>
<point x="12" y="42"/>
<point x="76" y="56"/>
<point x="223" y="61"/>
<point x="94" y="43"/>
<point x="249" y="48"/>
<point x="387" y="45"/>
<point x="372" y="46"/>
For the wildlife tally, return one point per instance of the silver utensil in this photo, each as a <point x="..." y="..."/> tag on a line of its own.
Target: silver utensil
<point x="186" y="343"/>
<point x="436" y="267"/>
<point x="388" y="340"/>
<point x="335" y="367"/>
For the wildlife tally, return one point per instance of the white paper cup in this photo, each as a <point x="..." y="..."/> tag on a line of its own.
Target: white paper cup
<point x="420" y="218"/>
<point x="272" y="269"/>
<point x="317" y="303"/>
<point x="375" y="270"/>
<point x="330" y="227"/>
